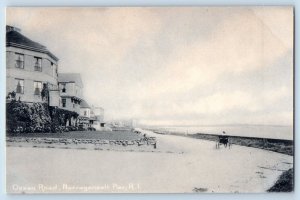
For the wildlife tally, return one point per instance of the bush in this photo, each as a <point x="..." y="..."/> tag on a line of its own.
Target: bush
<point x="38" y="129"/>
<point x="18" y="129"/>
<point x="80" y="128"/>
<point x="60" y="116"/>
<point x="54" y="129"/>
<point x="47" y="129"/>
<point x="36" y="118"/>
<point x="24" y="117"/>
<point x="72" y="128"/>
<point x="29" y="129"/>
<point x="91" y="129"/>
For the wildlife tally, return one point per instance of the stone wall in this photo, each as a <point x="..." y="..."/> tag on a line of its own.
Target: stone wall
<point x="97" y="144"/>
<point x="277" y="145"/>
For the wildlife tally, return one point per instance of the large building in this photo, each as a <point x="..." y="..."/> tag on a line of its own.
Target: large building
<point x="32" y="76"/>
<point x="31" y="69"/>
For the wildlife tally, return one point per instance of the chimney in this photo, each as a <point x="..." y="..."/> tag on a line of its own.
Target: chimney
<point x="12" y="28"/>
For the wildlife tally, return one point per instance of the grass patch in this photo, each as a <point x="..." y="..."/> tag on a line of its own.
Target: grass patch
<point x="100" y="135"/>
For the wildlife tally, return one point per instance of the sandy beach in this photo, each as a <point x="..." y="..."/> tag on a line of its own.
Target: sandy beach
<point x="179" y="164"/>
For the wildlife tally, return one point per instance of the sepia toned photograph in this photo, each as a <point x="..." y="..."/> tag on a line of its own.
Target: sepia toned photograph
<point x="150" y="99"/>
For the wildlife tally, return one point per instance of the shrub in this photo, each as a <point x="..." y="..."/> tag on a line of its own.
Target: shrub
<point x="91" y="129"/>
<point x="29" y="129"/>
<point x="38" y="129"/>
<point x="25" y="117"/>
<point x="80" y="128"/>
<point x="47" y="129"/>
<point x="36" y="117"/>
<point x="60" y="116"/>
<point x="72" y="128"/>
<point x="18" y="129"/>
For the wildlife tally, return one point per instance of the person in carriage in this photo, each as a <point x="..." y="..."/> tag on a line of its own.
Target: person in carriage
<point x="223" y="139"/>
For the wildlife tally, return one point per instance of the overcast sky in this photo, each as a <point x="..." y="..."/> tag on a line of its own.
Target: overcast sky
<point x="183" y="66"/>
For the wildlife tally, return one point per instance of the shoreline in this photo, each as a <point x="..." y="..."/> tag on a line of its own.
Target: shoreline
<point x="276" y="145"/>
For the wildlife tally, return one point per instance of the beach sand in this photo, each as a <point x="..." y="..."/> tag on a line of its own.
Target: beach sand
<point x="179" y="164"/>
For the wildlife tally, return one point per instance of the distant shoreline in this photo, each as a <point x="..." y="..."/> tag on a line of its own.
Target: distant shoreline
<point x="217" y="125"/>
<point x="258" y="131"/>
<point x="276" y="145"/>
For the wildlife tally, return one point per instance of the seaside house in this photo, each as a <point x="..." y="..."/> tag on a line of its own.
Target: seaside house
<point x="31" y="70"/>
<point x="70" y="88"/>
<point x="98" y="113"/>
<point x="32" y="77"/>
<point x="85" y="114"/>
<point x="91" y="116"/>
<point x="97" y="118"/>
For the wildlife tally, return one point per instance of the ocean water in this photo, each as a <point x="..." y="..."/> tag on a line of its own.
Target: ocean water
<point x="263" y="131"/>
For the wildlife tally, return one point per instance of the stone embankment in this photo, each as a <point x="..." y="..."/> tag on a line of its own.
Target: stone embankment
<point x="97" y="144"/>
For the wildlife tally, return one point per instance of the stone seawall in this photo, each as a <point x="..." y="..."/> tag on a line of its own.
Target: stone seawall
<point x="276" y="145"/>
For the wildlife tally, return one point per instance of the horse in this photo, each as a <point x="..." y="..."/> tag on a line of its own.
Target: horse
<point x="223" y="140"/>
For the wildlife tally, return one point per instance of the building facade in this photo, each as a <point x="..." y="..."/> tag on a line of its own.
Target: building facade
<point x="31" y="69"/>
<point x="85" y="115"/>
<point x="70" y="89"/>
<point x="32" y="76"/>
<point x="97" y="113"/>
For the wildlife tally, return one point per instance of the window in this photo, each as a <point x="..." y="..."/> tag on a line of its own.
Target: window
<point x="37" y="64"/>
<point x="63" y="86"/>
<point x="54" y="69"/>
<point x="85" y="114"/>
<point x="37" y="87"/>
<point x="19" y="60"/>
<point x="19" y="86"/>
<point x="63" y="102"/>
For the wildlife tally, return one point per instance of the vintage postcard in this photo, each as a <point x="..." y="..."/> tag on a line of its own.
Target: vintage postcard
<point x="149" y="99"/>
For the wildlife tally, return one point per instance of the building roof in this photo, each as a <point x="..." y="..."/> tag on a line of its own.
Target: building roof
<point x="70" y="77"/>
<point x="15" y="39"/>
<point x="84" y="104"/>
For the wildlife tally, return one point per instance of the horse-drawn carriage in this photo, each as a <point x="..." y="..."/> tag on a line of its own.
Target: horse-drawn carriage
<point x="223" y="140"/>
